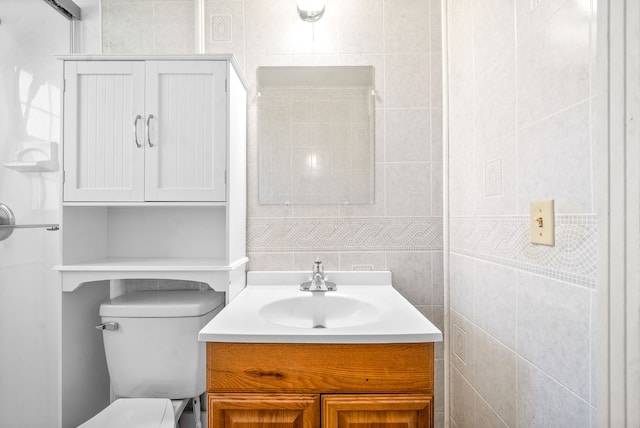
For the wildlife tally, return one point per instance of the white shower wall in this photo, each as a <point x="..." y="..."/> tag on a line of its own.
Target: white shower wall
<point x="522" y="324"/>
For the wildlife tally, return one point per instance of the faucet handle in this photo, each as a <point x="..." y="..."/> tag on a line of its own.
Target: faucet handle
<point x="318" y="268"/>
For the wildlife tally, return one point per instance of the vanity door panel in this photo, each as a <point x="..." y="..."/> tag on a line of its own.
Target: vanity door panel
<point x="261" y="410"/>
<point x="377" y="410"/>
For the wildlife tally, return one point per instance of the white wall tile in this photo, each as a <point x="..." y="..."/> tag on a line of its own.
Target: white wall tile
<point x="352" y="261"/>
<point x="484" y="416"/>
<point x="553" y="329"/>
<point x="407" y="135"/>
<point x="462" y="185"/>
<point x="495" y="101"/>
<point x="438" y="419"/>
<point x="407" y="81"/>
<point x="359" y="26"/>
<point x="438" y="390"/>
<point x="553" y="56"/>
<point x="406" y="26"/>
<point x="496" y="177"/>
<point x="462" y="284"/>
<point x="494" y="69"/>
<point x="436" y="189"/>
<point x="436" y="80"/>
<point x="436" y="135"/>
<point x="412" y="276"/>
<point x="437" y="277"/>
<point x="129" y="27"/>
<point x="594" y="349"/>
<point x="461" y="120"/>
<point x="494" y="40"/>
<point x="173" y="28"/>
<point x="495" y="301"/>
<point x="462" y="348"/>
<point x="234" y="10"/>
<point x="270" y="261"/>
<point x="408" y="189"/>
<point x="554" y="161"/>
<point x="435" y="22"/>
<point x="495" y="375"/>
<point x="462" y="396"/>
<point x="543" y="403"/>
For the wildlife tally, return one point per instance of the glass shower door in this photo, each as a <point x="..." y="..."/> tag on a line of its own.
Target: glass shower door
<point x="30" y="78"/>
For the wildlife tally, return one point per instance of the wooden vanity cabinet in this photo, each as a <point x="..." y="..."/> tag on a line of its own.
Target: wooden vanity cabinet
<point x="320" y="385"/>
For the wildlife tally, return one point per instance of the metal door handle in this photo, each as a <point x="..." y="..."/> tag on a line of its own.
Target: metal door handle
<point x="135" y="130"/>
<point x="147" y="130"/>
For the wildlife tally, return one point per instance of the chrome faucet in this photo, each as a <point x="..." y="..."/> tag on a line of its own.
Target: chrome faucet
<point x="318" y="282"/>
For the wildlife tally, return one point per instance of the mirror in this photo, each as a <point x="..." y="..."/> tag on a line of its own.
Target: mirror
<point x="316" y="135"/>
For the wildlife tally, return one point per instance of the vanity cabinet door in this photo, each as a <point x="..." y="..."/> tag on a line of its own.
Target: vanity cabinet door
<point x="377" y="410"/>
<point x="264" y="410"/>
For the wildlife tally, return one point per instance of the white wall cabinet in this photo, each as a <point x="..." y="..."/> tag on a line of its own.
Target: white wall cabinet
<point x="155" y="169"/>
<point x="145" y="130"/>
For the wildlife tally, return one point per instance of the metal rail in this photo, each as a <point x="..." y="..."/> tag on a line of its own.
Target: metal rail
<point x="50" y="227"/>
<point x="8" y="223"/>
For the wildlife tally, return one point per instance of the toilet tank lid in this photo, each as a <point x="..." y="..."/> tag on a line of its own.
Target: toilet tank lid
<point x="162" y="304"/>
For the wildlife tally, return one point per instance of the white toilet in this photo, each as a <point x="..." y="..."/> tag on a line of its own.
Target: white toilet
<point x="156" y="364"/>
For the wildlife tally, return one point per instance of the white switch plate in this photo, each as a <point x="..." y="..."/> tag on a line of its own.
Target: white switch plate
<point x="543" y="223"/>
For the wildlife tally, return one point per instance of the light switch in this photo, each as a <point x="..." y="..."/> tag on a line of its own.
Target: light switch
<point x="542" y="223"/>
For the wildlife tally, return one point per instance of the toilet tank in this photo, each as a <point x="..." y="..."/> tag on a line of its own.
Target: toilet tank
<point x="154" y="351"/>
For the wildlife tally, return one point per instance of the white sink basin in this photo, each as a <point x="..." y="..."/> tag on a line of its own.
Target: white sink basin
<point x="319" y="310"/>
<point x="364" y="309"/>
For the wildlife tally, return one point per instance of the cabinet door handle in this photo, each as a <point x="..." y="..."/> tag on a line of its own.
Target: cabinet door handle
<point x="135" y="131"/>
<point x="147" y="130"/>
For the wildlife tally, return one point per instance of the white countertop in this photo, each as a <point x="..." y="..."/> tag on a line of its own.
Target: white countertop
<point x="270" y="307"/>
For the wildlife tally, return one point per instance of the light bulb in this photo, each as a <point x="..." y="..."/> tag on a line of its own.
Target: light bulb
<point x="310" y="10"/>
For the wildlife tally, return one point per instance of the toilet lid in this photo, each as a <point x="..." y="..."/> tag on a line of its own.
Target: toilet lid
<point x="134" y="412"/>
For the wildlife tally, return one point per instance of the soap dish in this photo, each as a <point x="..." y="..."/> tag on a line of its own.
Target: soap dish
<point x="47" y="165"/>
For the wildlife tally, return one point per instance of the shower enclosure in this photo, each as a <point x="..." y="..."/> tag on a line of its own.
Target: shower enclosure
<point x="30" y="89"/>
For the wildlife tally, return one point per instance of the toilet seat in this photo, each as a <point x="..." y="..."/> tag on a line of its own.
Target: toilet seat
<point x="135" y="412"/>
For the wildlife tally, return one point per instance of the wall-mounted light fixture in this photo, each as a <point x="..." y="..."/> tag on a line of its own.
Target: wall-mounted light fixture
<point x="310" y="10"/>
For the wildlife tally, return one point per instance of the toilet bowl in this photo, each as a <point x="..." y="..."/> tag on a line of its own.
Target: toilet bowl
<point x="139" y="413"/>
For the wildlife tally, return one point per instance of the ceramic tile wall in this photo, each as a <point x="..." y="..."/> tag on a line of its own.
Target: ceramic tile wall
<point x="522" y="316"/>
<point x="402" y="230"/>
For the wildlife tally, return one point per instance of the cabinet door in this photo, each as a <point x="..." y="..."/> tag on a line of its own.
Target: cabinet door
<point x="377" y="411"/>
<point x="186" y="105"/>
<point x="262" y="410"/>
<point x="102" y="161"/>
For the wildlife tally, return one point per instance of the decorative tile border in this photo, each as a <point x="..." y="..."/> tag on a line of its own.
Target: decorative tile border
<point x="344" y="234"/>
<point x="505" y="240"/>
